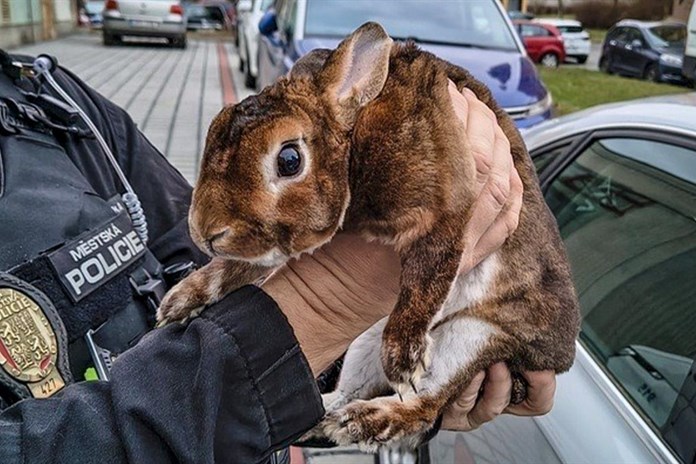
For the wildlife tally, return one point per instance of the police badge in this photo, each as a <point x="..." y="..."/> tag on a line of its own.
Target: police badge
<point x="32" y="341"/>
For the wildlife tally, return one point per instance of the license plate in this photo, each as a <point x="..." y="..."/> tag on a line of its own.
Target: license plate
<point x="136" y="23"/>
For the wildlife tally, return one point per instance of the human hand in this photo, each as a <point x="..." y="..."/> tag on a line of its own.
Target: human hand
<point x="488" y="396"/>
<point x="349" y="284"/>
<point x="498" y="184"/>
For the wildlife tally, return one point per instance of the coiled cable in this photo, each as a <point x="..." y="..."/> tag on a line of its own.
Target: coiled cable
<point x="43" y="65"/>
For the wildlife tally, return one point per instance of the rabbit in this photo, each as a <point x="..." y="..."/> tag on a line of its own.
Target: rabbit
<point x="365" y="139"/>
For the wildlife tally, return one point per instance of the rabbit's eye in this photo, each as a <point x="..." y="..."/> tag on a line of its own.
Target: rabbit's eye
<point x="289" y="161"/>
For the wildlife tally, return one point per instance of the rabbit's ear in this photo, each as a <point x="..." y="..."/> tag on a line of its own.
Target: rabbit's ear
<point x="311" y="64"/>
<point x="356" y="71"/>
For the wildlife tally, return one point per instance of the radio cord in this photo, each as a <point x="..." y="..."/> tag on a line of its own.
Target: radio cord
<point x="43" y="65"/>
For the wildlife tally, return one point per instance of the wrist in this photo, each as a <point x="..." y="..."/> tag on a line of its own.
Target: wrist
<point x="323" y="324"/>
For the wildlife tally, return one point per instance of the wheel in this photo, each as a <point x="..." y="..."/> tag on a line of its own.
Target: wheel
<point x="549" y="60"/>
<point x="605" y="65"/>
<point x="652" y="73"/>
<point x="249" y="79"/>
<point x="110" y="39"/>
<point x="179" y="42"/>
<point x="582" y="59"/>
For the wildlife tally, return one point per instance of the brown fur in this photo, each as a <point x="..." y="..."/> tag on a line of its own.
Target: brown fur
<point x="387" y="147"/>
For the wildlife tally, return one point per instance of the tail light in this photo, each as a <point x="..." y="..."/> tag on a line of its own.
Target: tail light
<point x="111" y="5"/>
<point x="176" y="9"/>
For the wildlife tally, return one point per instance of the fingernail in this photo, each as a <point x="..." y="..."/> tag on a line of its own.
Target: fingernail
<point x="468" y="91"/>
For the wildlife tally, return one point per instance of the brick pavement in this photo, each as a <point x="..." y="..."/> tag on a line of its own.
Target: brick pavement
<point x="171" y="94"/>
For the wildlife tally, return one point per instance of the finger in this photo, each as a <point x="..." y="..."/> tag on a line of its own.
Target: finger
<point x="497" y="233"/>
<point x="481" y="133"/>
<point x="456" y="416"/>
<point x="460" y="104"/>
<point x="495" y="192"/>
<point x="541" y="388"/>
<point x="496" y="395"/>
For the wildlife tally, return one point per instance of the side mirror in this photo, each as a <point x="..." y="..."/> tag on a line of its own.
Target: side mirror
<point x="244" y="6"/>
<point x="636" y="44"/>
<point x="268" y="24"/>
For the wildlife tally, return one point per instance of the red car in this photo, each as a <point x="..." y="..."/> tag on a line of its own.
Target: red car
<point x="543" y="42"/>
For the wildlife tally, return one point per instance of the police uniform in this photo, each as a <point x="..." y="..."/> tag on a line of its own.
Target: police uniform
<point x="78" y="289"/>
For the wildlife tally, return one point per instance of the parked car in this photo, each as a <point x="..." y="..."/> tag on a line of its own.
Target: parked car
<point x="649" y="50"/>
<point x="544" y="43"/>
<point x="203" y="17"/>
<point x="621" y="181"/>
<point x="689" y="68"/>
<point x="91" y="14"/>
<point x="575" y="38"/>
<point x="250" y="13"/>
<point x="516" y="14"/>
<point x="144" y="18"/>
<point x="475" y="35"/>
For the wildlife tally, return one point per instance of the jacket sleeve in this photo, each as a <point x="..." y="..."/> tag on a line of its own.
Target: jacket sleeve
<point x="232" y="386"/>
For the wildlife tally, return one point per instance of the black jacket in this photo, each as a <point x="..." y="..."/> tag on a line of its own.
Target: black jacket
<point x="231" y="386"/>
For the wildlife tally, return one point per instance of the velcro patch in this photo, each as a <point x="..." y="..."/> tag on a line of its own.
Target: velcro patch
<point x="96" y="256"/>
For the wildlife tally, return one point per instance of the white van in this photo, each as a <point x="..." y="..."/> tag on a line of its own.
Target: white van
<point x="689" y="67"/>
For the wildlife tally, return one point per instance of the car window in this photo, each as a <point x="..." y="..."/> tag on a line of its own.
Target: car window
<point x="626" y="209"/>
<point x="287" y="10"/>
<point x="542" y="158"/>
<point x="530" y="30"/>
<point x="634" y="34"/>
<point x="620" y="34"/>
<point x="265" y="4"/>
<point x="570" y="29"/>
<point x="455" y="22"/>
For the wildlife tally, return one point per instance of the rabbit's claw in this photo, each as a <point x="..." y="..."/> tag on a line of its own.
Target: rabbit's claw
<point x="374" y="423"/>
<point x="178" y="306"/>
<point x="405" y="360"/>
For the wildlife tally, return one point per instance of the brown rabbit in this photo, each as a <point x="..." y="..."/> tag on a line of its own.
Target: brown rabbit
<point x="365" y="139"/>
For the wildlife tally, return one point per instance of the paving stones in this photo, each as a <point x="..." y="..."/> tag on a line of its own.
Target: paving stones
<point x="171" y="94"/>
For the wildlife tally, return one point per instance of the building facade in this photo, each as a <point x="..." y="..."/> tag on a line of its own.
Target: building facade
<point x="29" y="21"/>
<point x="682" y="8"/>
<point x="515" y="5"/>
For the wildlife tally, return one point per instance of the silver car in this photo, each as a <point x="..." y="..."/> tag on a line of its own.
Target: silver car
<point x="144" y="18"/>
<point x="621" y="181"/>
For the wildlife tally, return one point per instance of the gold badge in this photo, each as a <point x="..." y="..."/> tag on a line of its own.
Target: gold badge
<point x="28" y="348"/>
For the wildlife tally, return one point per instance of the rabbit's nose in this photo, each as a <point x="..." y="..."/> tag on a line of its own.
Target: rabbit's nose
<point x="217" y="235"/>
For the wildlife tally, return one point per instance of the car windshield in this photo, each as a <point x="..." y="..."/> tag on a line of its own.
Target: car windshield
<point x="471" y="23"/>
<point x="667" y="36"/>
<point x="94" y="7"/>
<point x="196" y="11"/>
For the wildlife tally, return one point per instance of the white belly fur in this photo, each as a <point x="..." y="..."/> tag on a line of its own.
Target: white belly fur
<point x="472" y="288"/>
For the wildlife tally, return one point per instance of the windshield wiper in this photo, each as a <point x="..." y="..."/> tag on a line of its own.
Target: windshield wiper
<point x="418" y="40"/>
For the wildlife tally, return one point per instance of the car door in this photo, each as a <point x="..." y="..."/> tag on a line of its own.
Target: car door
<point x="274" y="55"/>
<point x="534" y="38"/>
<point x="625" y="202"/>
<point x="631" y="51"/>
<point x="614" y="46"/>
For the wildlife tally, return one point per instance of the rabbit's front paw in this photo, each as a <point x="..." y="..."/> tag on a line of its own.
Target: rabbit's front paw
<point x="179" y="305"/>
<point x="377" y="422"/>
<point x="405" y="359"/>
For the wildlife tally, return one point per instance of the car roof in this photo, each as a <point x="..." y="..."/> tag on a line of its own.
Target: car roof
<point x="646" y="24"/>
<point x="535" y="23"/>
<point x="672" y="113"/>
<point x="558" y="22"/>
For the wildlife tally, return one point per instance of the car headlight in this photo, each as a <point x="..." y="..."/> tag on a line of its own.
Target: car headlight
<point x="672" y="60"/>
<point x="541" y="106"/>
